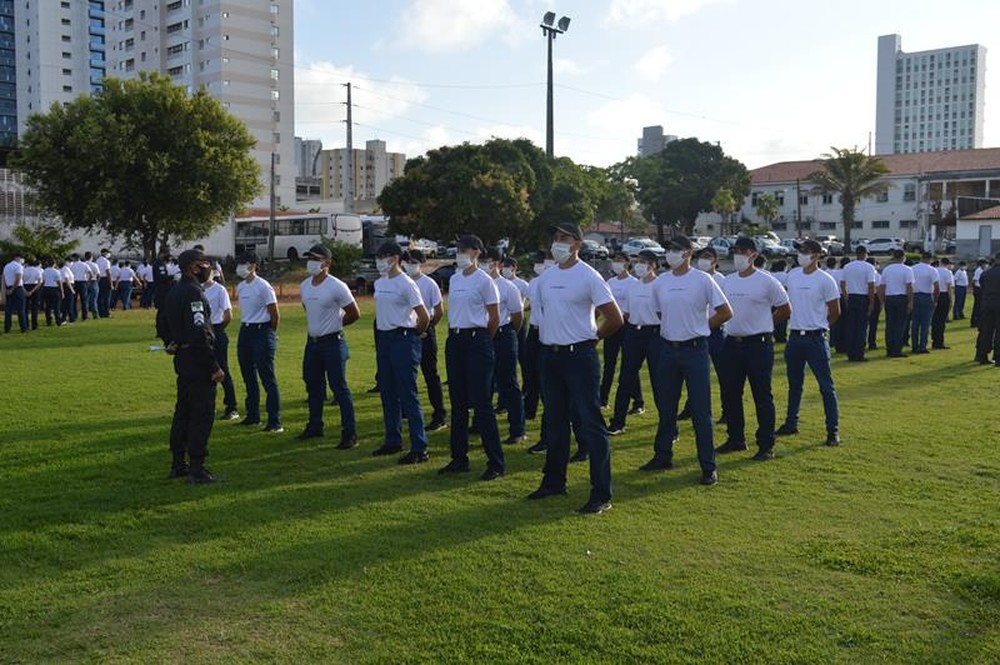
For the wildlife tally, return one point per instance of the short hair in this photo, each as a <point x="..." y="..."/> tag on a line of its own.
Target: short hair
<point x="493" y="253"/>
<point x="412" y="255"/>
<point x="779" y="265"/>
<point x="510" y="261"/>
<point x="898" y="254"/>
<point x="759" y="261"/>
<point x="831" y="262"/>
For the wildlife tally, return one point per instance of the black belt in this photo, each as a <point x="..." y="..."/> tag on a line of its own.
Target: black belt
<point x="570" y="348"/>
<point x="819" y="332"/>
<point x="645" y="327"/>
<point x="507" y="328"/>
<point x="693" y="342"/>
<point x="762" y="338"/>
<point x="471" y="332"/>
<point x="256" y="326"/>
<point x="323" y="338"/>
<point x="398" y="331"/>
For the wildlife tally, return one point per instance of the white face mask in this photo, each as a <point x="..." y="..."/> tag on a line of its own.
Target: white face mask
<point x="540" y="268"/>
<point x="618" y="267"/>
<point x="561" y="251"/>
<point x="705" y="265"/>
<point x="489" y="266"/>
<point x="508" y="273"/>
<point x="741" y="261"/>
<point x="412" y="269"/>
<point x="242" y="271"/>
<point x="314" y="267"/>
<point x="805" y="259"/>
<point x="383" y="266"/>
<point x="463" y="261"/>
<point x="641" y="270"/>
<point x="675" y="259"/>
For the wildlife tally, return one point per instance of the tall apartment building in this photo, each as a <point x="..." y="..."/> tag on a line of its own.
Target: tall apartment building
<point x="374" y="168"/>
<point x="240" y="51"/>
<point x="60" y="54"/>
<point x="929" y="100"/>
<point x="653" y="140"/>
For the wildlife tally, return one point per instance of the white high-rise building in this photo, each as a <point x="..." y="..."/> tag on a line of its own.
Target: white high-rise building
<point x="929" y="100"/>
<point x="374" y="168"/>
<point x="239" y="50"/>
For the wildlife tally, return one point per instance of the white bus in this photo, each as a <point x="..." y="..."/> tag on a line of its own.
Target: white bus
<point x="295" y="234"/>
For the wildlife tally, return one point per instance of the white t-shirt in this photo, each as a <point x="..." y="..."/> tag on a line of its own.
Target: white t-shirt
<point x="325" y="305"/>
<point x="81" y="273"/>
<point x="395" y="300"/>
<point x="808" y="295"/>
<point x="430" y="292"/>
<point x="103" y="266"/>
<point x="925" y="276"/>
<point x="640" y="304"/>
<point x="116" y="273"/>
<point x="567" y="298"/>
<point x="686" y="303"/>
<point x="468" y="296"/>
<point x="10" y="273"/>
<point x="946" y="279"/>
<point x="781" y="276"/>
<point x="532" y="295"/>
<point x="977" y="273"/>
<point x="51" y="277"/>
<point x="961" y="277"/>
<point x="67" y="274"/>
<point x="94" y="270"/>
<point x="254" y="297"/>
<point x="620" y="287"/>
<point x="895" y="277"/>
<point x="173" y="269"/>
<point x="125" y="274"/>
<point x="522" y="286"/>
<point x="218" y="301"/>
<point x="32" y="275"/>
<point x="752" y="298"/>
<point x="510" y="299"/>
<point x="858" y="275"/>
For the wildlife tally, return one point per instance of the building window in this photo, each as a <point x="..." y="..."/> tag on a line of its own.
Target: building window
<point x="67" y="38"/>
<point x="827" y="199"/>
<point x="882" y="197"/>
<point x="274" y="74"/>
<point x="275" y="95"/>
<point x="781" y="198"/>
<point x="805" y="226"/>
<point x="907" y="223"/>
<point x="909" y="192"/>
<point x="67" y="88"/>
<point x="65" y="55"/>
<point x="804" y="199"/>
<point x="779" y="226"/>
<point x="880" y="224"/>
<point x="67" y="72"/>
<point x="827" y="226"/>
<point x="753" y="199"/>
<point x="274" y="9"/>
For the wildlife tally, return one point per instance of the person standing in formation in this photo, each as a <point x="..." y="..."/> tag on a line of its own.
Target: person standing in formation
<point x="222" y="314"/>
<point x="896" y="294"/>
<point x="257" y="343"/>
<point x="707" y="260"/>
<point x="858" y="282"/>
<point x="81" y="274"/>
<point x="69" y="297"/>
<point x="505" y="346"/>
<point x="876" y="312"/>
<point x="619" y="283"/>
<point x="104" y="283"/>
<point x="961" y="290"/>
<point x="509" y="271"/>
<point x="981" y="266"/>
<point x="127" y="281"/>
<point x="430" y="293"/>
<point x="14" y="294"/>
<point x="942" y="310"/>
<point x="33" y="291"/>
<point x="52" y="293"/>
<point x="988" y="301"/>
<point x="926" y="288"/>
<point x="93" y="285"/>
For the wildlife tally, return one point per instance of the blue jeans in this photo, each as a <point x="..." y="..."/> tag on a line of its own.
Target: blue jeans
<point x="812" y="350"/>
<point x="255" y="349"/>
<point x="749" y="360"/>
<point x="640" y="345"/>
<point x="69" y="306"/>
<point x="856" y="326"/>
<point x="505" y="349"/>
<point x="959" y="309"/>
<point x="895" y="324"/>
<point x="326" y="360"/>
<point x="397" y="355"/>
<point x="125" y="295"/>
<point x="81" y="296"/>
<point x="469" y="358"/>
<point x="571" y="388"/>
<point x="17" y="303"/>
<point x="923" y="311"/>
<point x="104" y="297"/>
<point x="678" y="365"/>
<point x="92" y="298"/>
<point x="221" y="348"/>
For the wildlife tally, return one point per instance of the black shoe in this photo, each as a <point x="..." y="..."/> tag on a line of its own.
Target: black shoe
<point x="491" y="474"/>
<point x="579" y="456"/>
<point x="230" y="414"/>
<point x="898" y="355"/>
<point x="833" y="438"/>
<point x="436" y="424"/>
<point x="921" y="351"/>
<point x="309" y="434"/>
<point x="544" y="492"/>
<point x="636" y="411"/>
<point x="593" y="507"/>
<point x="764" y="454"/>
<point x="454" y="466"/>
<point x="722" y="420"/>
<point x="709" y="478"/>
<point x="373" y="390"/>
<point x="658" y="463"/>
<point x="940" y="347"/>
<point x="860" y="359"/>
<point x="514" y="440"/>
<point x="786" y="430"/>
<point x="246" y="422"/>
<point x="414" y="457"/>
<point x="732" y="447"/>
<point x="178" y="472"/>
<point x="387" y="450"/>
<point x="348" y="442"/>
<point x="538" y="449"/>
<point x="499" y="411"/>
<point x="873" y="347"/>
<point x="274" y="429"/>
<point x="201" y="476"/>
<point x="685" y="414"/>
<point x="616" y="430"/>
<point x="983" y="361"/>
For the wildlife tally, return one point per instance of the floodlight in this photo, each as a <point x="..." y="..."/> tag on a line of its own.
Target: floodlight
<point x="564" y="24"/>
<point x="549" y="18"/>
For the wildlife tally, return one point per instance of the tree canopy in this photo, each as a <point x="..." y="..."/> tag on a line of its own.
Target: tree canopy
<point x="854" y="175"/>
<point x="142" y="161"/>
<point x="40" y="241"/>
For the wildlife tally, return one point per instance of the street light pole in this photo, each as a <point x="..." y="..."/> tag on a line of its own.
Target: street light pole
<point x="551" y="30"/>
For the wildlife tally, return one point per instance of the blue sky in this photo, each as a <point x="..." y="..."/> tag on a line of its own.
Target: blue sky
<point x="771" y="80"/>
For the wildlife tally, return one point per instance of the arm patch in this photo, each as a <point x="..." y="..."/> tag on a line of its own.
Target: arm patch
<point x="197" y="306"/>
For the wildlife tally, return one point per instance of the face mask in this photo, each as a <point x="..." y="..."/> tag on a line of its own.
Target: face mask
<point x="675" y="259"/>
<point x="705" y="265"/>
<point x="489" y="266"/>
<point x="508" y="273"/>
<point x="540" y="268"/>
<point x="242" y="271"/>
<point x="463" y="261"/>
<point x="618" y="267"/>
<point x="741" y="261"/>
<point x="204" y="274"/>
<point x="805" y="259"/>
<point x="641" y="270"/>
<point x="413" y="269"/>
<point x="561" y="251"/>
<point x="383" y="266"/>
<point x="314" y="267"/>
<point x="177" y="277"/>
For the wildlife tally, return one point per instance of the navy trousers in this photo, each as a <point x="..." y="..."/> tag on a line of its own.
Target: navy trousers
<point x="959" y="310"/>
<point x="685" y="364"/>
<point x="895" y="324"/>
<point x="814" y="351"/>
<point x="749" y="359"/>
<point x="397" y="355"/>
<point x="52" y="301"/>
<point x="255" y="350"/>
<point x="322" y="361"/>
<point x="529" y="373"/>
<point x="470" y="359"/>
<point x="222" y="357"/>
<point x="16" y="304"/>
<point x="641" y="345"/>
<point x="856" y="326"/>
<point x="923" y="312"/>
<point x="429" y="368"/>
<point x="612" y="348"/>
<point x="104" y="297"/>
<point x="505" y="374"/>
<point x="939" y="320"/>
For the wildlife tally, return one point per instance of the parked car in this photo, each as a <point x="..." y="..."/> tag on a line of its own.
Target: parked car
<point x="700" y="242"/>
<point x="593" y="251"/>
<point x="791" y="244"/>
<point x="858" y="242"/>
<point x="831" y="244"/>
<point x="771" y="249"/>
<point x="884" y="245"/>
<point x="636" y="245"/>
<point x="365" y="276"/>
<point x="723" y="246"/>
<point x="450" y="252"/>
<point x="429" y="248"/>
<point x="442" y="275"/>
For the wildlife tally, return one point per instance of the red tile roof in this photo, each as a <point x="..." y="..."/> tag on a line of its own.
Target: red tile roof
<point x="909" y="164"/>
<point x="266" y="212"/>
<point x="989" y="213"/>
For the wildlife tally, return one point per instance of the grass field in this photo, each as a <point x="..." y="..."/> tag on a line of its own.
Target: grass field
<point x="886" y="549"/>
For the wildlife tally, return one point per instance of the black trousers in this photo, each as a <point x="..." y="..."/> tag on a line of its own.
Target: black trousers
<point x="429" y="368"/>
<point x="977" y="306"/>
<point x="33" y="305"/>
<point x="612" y="348"/>
<point x="52" y="300"/>
<point x="194" y="415"/>
<point x="873" y="325"/>
<point x="529" y="373"/>
<point x="939" y="320"/>
<point x="222" y="357"/>
<point x="989" y="339"/>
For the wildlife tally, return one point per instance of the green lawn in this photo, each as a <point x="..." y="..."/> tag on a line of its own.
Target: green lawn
<point x="885" y="549"/>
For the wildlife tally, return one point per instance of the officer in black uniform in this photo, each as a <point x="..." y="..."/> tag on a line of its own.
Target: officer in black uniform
<point x="186" y="329"/>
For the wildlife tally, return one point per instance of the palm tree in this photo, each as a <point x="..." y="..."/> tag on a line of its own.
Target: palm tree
<point x="724" y="204"/>
<point x="768" y="208"/>
<point x="855" y="176"/>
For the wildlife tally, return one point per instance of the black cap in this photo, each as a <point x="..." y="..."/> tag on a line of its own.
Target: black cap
<point x="746" y="242"/>
<point x="679" y="242"/>
<point x="861" y="250"/>
<point x="945" y="261"/>
<point x="319" y="251"/>
<point x="569" y="228"/>
<point x="411" y="255"/>
<point x="247" y="257"/>
<point x="389" y="248"/>
<point x="510" y="261"/>
<point x="810" y="247"/>
<point x="648" y="255"/>
<point x="708" y="251"/>
<point x="620" y="254"/>
<point x="493" y="254"/>
<point x="189" y="256"/>
<point x="470" y="242"/>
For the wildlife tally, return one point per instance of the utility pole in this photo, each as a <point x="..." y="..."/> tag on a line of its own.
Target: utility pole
<point x="349" y="190"/>
<point x="271" y="222"/>
<point x="551" y="30"/>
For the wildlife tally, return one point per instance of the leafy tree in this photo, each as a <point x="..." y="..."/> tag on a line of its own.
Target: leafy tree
<point x="141" y="160"/>
<point x="854" y="175"/>
<point x="42" y="240"/>
<point x="344" y="258"/>
<point x="768" y="208"/>
<point x="724" y="204"/>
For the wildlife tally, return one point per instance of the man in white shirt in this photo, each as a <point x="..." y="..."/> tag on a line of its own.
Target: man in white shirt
<point x="568" y="295"/>
<point x="104" y="283"/>
<point x="896" y="294"/>
<point x="222" y="314"/>
<point x="52" y="293"/>
<point x="815" y="300"/>
<point x="81" y="274"/>
<point x="981" y="266"/>
<point x="15" y="301"/>
<point x="505" y="347"/>
<point x="33" y="290"/>
<point x="69" y="296"/>
<point x="509" y="271"/>
<point x="257" y="343"/>
<point x="876" y="312"/>
<point x="619" y="283"/>
<point x="330" y="307"/>
<point x="707" y="260"/>
<point x="939" y="320"/>
<point x="430" y="293"/>
<point x="757" y="300"/>
<point x="926" y="287"/>
<point x="691" y="305"/>
<point x="127" y="281"/>
<point x="961" y="290"/>
<point x="400" y="320"/>
<point x="93" y="288"/>
<point x="857" y="280"/>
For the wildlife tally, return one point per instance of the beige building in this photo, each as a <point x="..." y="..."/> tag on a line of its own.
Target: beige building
<point x="373" y="168"/>
<point x="239" y="50"/>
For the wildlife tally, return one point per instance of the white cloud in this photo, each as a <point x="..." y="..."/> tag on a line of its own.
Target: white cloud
<point x="511" y="132"/>
<point x="630" y="115"/>
<point x="430" y="138"/>
<point x="444" y="26"/>
<point x="567" y="67"/>
<point x="654" y="63"/>
<point x="641" y="12"/>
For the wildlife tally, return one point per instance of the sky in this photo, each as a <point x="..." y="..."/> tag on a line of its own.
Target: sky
<point x="770" y="80"/>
